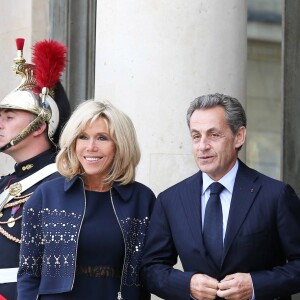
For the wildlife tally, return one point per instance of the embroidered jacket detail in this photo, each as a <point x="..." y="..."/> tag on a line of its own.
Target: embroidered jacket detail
<point x="135" y="233"/>
<point x="58" y="231"/>
<point x="54" y="228"/>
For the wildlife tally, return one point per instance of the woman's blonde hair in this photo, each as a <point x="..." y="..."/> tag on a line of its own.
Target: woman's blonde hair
<point x="121" y="130"/>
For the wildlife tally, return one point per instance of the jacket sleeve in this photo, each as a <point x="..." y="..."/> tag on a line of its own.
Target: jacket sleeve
<point x="283" y="279"/>
<point x="158" y="273"/>
<point x="31" y="252"/>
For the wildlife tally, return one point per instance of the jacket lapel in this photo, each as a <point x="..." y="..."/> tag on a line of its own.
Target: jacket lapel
<point x="191" y="201"/>
<point x="245" y="190"/>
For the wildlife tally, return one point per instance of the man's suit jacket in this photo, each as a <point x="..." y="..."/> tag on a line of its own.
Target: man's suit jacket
<point x="263" y="232"/>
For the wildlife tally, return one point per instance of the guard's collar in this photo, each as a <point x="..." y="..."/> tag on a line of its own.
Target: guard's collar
<point x="34" y="164"/>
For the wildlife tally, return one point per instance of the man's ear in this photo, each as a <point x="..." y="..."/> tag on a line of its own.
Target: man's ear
<point x="40" y="130"/>
<point x="240" y="137"/>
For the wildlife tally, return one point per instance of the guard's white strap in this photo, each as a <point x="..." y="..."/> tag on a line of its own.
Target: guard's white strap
<point x="28" y="182"/>
<point x="8" y="275"/>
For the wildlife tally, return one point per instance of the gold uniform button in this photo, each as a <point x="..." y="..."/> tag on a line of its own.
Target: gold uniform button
<point x="27" y="167"/>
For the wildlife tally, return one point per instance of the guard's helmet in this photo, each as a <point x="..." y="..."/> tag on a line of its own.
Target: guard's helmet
<point x="40" y="91"/>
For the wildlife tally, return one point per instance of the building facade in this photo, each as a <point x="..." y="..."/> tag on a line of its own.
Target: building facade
<point x="151" y="58"/>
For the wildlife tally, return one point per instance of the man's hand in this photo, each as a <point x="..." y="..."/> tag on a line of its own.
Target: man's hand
<point x="203" y="287"/>
<point x="236" y="286"/>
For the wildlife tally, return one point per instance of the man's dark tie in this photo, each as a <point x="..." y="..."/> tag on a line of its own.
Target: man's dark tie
<point x="213" y="224"/>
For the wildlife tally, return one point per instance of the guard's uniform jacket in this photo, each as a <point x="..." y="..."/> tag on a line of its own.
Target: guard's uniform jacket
<point x="10" y="233"/>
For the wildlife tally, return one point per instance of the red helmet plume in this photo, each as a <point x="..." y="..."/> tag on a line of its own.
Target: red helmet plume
<point x="49" y="57"/>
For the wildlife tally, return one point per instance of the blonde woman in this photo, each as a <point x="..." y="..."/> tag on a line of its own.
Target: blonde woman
<point x="83" y="233"/>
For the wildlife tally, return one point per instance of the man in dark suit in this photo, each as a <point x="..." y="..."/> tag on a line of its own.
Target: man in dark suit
<point x="253" y="252"/>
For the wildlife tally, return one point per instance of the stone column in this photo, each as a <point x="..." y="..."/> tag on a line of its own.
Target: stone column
<point x="291" y="97"/>
<point x="291" y="94"/>
<point x="73" y="22"/>
<point x="154" y="57"/>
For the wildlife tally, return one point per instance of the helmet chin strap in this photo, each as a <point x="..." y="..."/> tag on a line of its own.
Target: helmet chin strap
<point x="42" y="117"/>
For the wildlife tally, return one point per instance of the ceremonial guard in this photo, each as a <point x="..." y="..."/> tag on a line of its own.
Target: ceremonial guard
<point x="31" y="118"/>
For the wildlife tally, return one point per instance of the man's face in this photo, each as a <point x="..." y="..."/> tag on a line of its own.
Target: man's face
<point x="214" y="144"/>
<point x="12" y="122"/>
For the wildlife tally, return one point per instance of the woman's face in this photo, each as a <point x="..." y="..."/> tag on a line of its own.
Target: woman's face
<point x="95" y="150"/>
